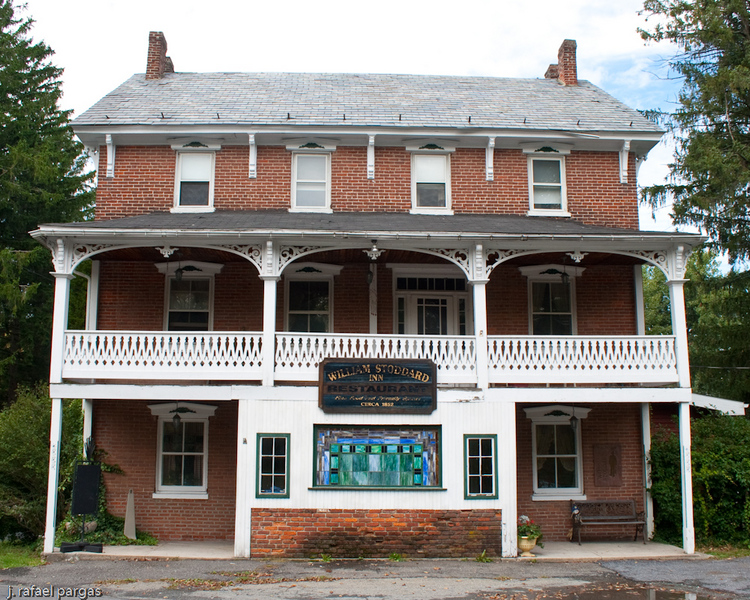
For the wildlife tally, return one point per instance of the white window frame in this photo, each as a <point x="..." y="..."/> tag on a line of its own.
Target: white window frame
<point x="310" y="271"/>
<point x="536" y="274"/>
<point x="296" y="154"/>
<point x="198" y="270"/>
<point x="552" y="154"/>
<point x="557" y="414"/>
<point x="199" y="149"/>
<point x="190" y="412"/>
<point x="416" y="153"/>
<point x="431" y="272"/>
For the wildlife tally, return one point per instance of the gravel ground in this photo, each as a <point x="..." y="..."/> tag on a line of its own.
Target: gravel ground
<point x="379" y="579"/>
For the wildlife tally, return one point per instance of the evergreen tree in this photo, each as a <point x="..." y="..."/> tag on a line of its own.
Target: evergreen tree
<point x="710" y="183"/>
<point x="717" y="306"/>
<point x="42" y="179"/>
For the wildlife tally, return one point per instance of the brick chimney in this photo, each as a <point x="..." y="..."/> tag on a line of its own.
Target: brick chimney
<point x="158" y="62"/>
<point x="566" y="69"/>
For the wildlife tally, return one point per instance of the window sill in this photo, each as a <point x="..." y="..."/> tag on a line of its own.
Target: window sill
<point x="537" y="212"/>
<point x="311" y="209"/>
<point x="330" y="488"/>
<point x="428" y="211"/>
<point x="557" y="497"/>
<point x="192" y="209"/>
<point x="180" y="496"/>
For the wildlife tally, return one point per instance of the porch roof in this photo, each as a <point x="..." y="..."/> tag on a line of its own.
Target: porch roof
<point x="384" y="225"/>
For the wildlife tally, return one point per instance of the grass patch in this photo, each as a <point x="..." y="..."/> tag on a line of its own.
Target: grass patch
<point x="18" y="555"/>
<point x="725" y="551"/>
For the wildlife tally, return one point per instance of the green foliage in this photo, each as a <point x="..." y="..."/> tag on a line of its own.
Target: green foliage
<point x="42" y="179"/>
<point x="710" y="182"/>
<point x="721" y="481"/>
<point x="42" y="166"/>
<point x="483" y="558"/>
<point x="24" y="458"/>
<point x="717" y="312"/>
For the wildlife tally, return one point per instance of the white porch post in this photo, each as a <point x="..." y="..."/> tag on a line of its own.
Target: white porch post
<point x="59" y="323"/>
<point x="679" y="329"/>
<point x="269" y="329"/>
<point x="243" y="492"/>
<point x="480" y="329"/>
<point x="92" y="316"/>
<point x="648" y="500"/>
<point x="53" y="478"/>
<point x="508" y="480"/>
<point x="688" y="530"/>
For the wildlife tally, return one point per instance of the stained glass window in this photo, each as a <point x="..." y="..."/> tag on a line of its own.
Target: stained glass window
<point x="377" y="457"/>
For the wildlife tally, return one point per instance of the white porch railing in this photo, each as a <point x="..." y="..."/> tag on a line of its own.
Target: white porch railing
<point x="197" y="356"/>
<point x="577" y="359"/>
<point x="161" y="355"/>
<point x="299" y="354"/>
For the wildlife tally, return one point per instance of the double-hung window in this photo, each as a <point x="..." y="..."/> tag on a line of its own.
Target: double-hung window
<point x="547" y="185"/>
<point x="311" y="181"/>
<point x="189" y="295"/>
<point x="194" y="180"/>
<point x="309" y="299"/>
<point x="557" y="451"/>
<point x="430" y="182"/>
<point x="552" y="298"/>
<point x="182" y="449"/>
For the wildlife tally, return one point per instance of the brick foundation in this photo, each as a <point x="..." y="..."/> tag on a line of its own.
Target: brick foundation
<point x="303" y="533"/>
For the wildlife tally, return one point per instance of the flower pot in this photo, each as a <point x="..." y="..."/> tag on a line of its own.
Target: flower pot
<point x="526" y="545"/>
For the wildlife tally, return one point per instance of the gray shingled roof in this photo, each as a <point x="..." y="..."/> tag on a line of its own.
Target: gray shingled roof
<point x="371" y="100"/>
<point x="356" y="222"/>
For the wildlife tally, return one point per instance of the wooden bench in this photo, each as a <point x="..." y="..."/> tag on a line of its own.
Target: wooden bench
<point x="606" y="512"/>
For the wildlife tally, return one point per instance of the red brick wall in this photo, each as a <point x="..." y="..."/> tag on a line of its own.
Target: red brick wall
<point x="127" y="432"/>
<point x="605" y="424"/>
<point x="144" y="182"/>
<point x="306" y="533"/>
<point x="131" y="297"/>
<point x="605" y="300"/>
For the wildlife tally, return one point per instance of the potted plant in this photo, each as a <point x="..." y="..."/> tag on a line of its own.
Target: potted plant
<point x="529" y="535"/>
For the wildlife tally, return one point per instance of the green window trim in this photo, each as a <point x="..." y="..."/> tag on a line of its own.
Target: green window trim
<point x="480" y="467"/>
<point x="272" y="451"/>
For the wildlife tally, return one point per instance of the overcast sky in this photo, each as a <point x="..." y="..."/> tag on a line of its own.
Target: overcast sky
<point x="100" y="43"/>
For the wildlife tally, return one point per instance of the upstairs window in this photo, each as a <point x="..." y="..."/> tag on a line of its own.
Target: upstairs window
<point x="430" y="183"/>
<point x="311" y="181"/>
<point x="189" y="307"/>
<point x="552" y="299"/>
<point x="309" y="301"/>
<point x="189" y="294"/>
<point x="547" y="188"/>
<point x="194" y="182"/>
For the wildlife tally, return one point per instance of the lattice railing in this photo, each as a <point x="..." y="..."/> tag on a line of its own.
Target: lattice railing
<point x="237" y="356"/>
<point x="577" y="359"/>
<point x="161" y="355"/>
<point x="299" y="354"/>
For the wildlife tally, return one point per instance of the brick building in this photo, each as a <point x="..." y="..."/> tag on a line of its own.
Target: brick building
<point x="327" y="310"/>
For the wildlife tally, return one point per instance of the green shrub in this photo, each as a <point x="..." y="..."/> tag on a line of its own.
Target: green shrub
<point x="24" y="459"/>
<point x="721" y="481"/>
